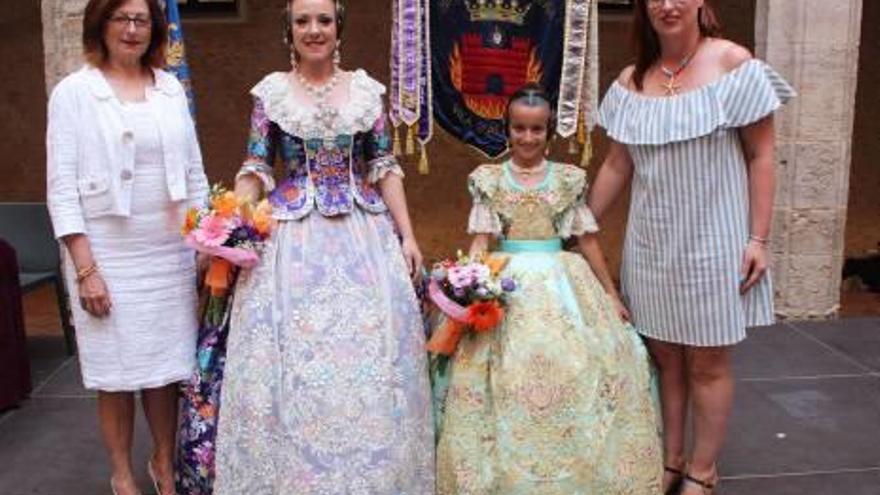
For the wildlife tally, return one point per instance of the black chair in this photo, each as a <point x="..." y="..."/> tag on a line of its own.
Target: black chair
<point x="27" y="227"/>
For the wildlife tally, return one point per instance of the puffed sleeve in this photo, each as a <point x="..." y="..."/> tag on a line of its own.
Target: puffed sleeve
<point x="260" y="147"/>
<point x="483" y="218"/>
<point x="62" y="193"/>
<point x="378" y="152"/>
<point x="576" y="218"/>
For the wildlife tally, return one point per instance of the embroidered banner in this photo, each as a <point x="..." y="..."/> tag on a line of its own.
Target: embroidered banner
<point x="482" y="52"/>
<point x="175" y="57"/>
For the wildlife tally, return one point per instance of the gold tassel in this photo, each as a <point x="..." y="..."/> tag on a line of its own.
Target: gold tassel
<point x="572" y="146"/>
<point x="423" y="161"/>
<point x="587" y="153"/>
<point x="411" y="141"/>
<point x="396" y="146"/>
<point x="582" y="137"/>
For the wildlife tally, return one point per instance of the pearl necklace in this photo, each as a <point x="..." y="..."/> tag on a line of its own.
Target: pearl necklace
<point x="319" y="93"/>
<point x="528" y="172"/>
<point x="326" y="113"/>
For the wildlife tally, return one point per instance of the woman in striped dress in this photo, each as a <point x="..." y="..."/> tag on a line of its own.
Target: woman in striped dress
<point x="691" y="127"/>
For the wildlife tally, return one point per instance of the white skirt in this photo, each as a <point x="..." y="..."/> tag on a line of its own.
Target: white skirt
<point x="149" y="338"/>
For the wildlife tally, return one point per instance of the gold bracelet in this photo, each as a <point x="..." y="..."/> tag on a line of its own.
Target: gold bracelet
<point x="85" y="272"/>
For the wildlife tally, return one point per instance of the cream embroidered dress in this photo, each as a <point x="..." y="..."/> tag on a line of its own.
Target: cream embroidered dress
<point x="326" y="388"/>
<point x="558" y="399"/>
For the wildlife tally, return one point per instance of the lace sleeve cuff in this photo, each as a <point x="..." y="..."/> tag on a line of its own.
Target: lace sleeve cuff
<point x="261" y="171"/>
<point x="380" y="167"/>
<point x="576" y="221"/>
<point x="483" y="220"/>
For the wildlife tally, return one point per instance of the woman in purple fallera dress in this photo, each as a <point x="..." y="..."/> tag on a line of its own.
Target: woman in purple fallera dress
<point x="325" y="388"/>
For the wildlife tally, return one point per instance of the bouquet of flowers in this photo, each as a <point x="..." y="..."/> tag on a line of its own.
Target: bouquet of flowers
<point x="232" y="231"/>
<point x="472" y="295"/>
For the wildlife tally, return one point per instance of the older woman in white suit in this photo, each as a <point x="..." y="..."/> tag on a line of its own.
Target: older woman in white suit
<point x="123" y="167"/>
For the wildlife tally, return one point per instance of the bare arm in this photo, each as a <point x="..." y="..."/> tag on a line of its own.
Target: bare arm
<point x="394" y="196"/>
<point x="614" y="174"/>
<point x="758" y="141"/>
<point x="92" y="290"/>
<point x="480" y="244"/>
<point x="588" y="245"/>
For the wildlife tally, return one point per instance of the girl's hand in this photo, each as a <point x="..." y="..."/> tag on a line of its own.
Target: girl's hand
<point x="754" y="265"/>
<point x="620" y="308"/>
<point x="412" y="255"/>
<point x="93" y="295"/>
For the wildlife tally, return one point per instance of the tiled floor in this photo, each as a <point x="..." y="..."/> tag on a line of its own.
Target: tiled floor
<point x="806" y="421"/>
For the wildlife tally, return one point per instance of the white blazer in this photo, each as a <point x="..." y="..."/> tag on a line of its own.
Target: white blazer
<point x="90" y="149"/>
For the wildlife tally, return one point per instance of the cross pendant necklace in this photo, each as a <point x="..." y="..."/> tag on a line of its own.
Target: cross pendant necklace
<point x="670" y="85"/>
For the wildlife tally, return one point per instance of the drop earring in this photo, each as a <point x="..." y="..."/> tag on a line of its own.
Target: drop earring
<point x="337" y="56"/>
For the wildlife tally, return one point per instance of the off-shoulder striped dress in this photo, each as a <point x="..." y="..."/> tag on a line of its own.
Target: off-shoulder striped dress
<point x="689" y="212"/>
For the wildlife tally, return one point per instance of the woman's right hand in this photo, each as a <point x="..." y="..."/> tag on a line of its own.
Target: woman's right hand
<point x="93" y="295"/>
<point x="621" y="309"/>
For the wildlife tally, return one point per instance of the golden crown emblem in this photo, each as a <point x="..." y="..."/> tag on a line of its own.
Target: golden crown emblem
<point x="510" y="11"/>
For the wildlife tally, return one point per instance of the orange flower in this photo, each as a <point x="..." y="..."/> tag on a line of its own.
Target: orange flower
<point x="225" y="204"/>
<point x="496" y="263"/>
<point x="263" y="217"/>
<point x="206" y="411"/>
<point x="485" y="316"/>
<point x="190" y="222"/>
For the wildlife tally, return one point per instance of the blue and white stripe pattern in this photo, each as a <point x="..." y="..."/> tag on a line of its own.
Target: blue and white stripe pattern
<point x="689" y="212"/>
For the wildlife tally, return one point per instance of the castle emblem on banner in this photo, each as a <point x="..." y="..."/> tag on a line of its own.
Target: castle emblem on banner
<point x="483" y="51"/>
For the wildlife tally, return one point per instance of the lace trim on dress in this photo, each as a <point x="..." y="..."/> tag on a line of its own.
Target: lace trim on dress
<point x="358" y="114"/>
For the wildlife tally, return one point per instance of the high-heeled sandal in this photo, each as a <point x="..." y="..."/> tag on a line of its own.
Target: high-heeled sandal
<point x="707" y="487"/>
<point x="154" y="479"/>
<point x="675" y="486"/>
<point x="113" y="486"/>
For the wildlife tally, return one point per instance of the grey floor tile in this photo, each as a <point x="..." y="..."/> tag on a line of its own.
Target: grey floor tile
<point x="858" y="338"/>
<point x="53" y="447"/>
<point x="46" y="354"/>
<point x="65" y="382"/>
<point x="780" y="351"/>
<point x="863" y="483"/>
<point x="804" y="426"/>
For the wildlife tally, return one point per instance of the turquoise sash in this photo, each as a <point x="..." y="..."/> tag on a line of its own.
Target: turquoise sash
<point x="531" y="246"/>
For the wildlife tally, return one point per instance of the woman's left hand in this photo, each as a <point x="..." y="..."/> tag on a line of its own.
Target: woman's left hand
<point x="412" y="255"/>
<point x="754" y="265"/>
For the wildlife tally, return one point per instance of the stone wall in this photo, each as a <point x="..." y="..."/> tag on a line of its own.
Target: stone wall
<point x="815" y="44"/>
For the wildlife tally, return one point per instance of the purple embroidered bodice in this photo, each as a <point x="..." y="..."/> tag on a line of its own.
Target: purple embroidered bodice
<point x="331" y="170"/>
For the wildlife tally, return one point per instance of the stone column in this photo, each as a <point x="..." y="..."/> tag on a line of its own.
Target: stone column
<point x="815" y="45"/>
<point x="62" y="38"/>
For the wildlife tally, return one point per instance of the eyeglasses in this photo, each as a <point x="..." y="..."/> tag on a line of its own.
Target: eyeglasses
<point x="656" y="4"/>
<point x="139" y="21"/>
